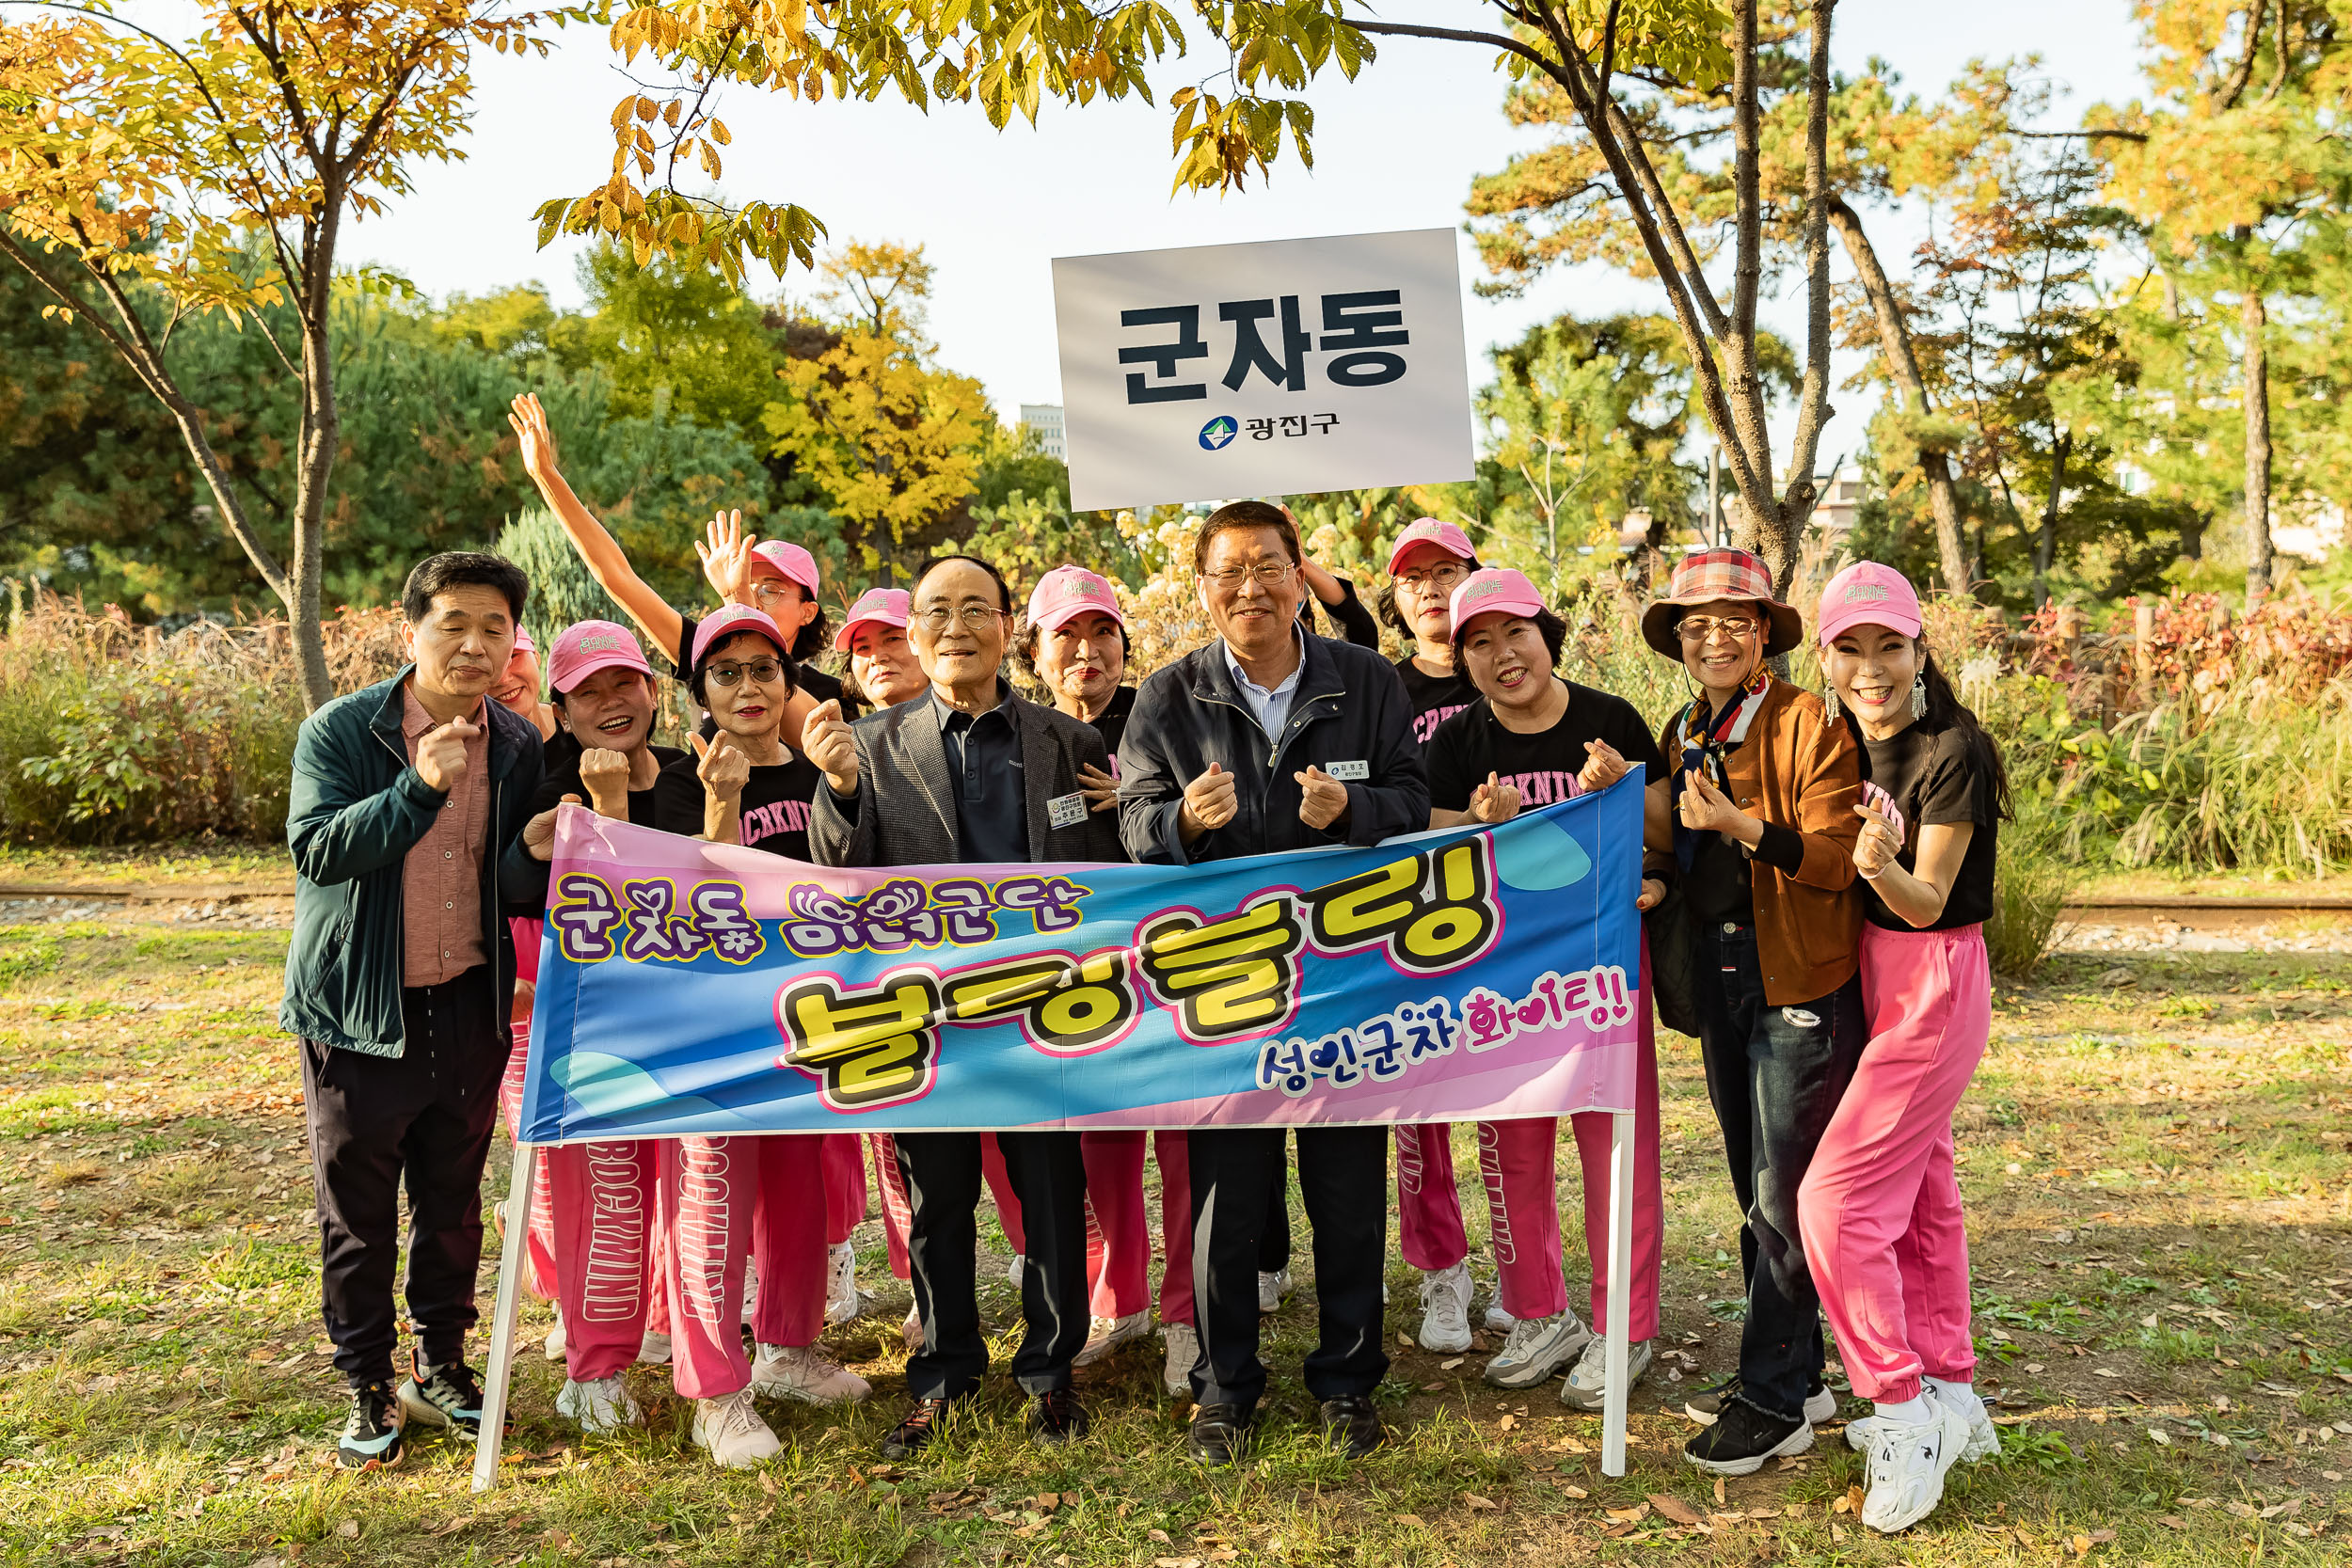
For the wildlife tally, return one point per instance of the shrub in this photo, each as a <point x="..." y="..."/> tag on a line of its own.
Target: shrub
<point x="2030" y="885"/>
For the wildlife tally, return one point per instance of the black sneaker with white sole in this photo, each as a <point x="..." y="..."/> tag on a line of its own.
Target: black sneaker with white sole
<point x="370" y="1435"/>
<point x="1708" y="1403"/>
<point x="1742" y="1437"/>
<point x="443" y="1397"/>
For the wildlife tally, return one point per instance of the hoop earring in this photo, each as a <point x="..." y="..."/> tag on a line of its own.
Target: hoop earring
<point x="1829" y="705"/>
<point x="1920" y="697"/>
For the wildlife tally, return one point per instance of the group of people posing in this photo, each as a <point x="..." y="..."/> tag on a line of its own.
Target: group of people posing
<point x="1823" y="865"/>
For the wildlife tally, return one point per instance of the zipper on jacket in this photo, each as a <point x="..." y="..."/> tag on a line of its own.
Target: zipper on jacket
<point x="399" y="883"/>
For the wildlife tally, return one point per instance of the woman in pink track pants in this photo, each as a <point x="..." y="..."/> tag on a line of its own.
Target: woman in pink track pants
<point x="1529" y="739"/>
<point x="1879" y="1209"/>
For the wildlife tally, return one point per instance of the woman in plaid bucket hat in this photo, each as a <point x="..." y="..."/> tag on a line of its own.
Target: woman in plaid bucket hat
<point x="1764" y="784"/>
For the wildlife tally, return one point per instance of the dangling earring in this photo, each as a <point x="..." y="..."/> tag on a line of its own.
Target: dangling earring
<point x="1920" y="697"/>
<point x="1829" y="705"/>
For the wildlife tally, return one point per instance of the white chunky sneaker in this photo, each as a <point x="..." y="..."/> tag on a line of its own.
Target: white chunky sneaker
<point x="1535" y="1350"/>
<point x="1445" y="1298"/>
<point x="732" y="1431"/>
<point x="557" y="1343"/>
<point x="1908" y="1461"/>
<point x="653" y="1350"/>
<point x="600" y="1405"/>
<point x="806" y="1374"/>
<point x="1107" y="1333"/>
<point x="1184" y="1350"/>
<point x="1984" y="1438"/>
<point x="1498" y="1321"/>
<point x="841" y="1297"/>
<point x="1587" y="1387"/>
<point x="1272" y="1288"/>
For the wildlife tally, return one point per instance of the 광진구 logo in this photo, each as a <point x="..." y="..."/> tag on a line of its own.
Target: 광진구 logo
<point x="1218" y="433"/>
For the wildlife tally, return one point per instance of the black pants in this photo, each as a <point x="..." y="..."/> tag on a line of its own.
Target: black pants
<point x="1774" y="1075"/>
<point x="1344" y="1178"/>
<point x="943" y="1179"/>
<point x="423" y="1118"/>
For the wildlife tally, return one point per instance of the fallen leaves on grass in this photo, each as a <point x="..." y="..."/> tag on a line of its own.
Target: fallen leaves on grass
<point x="1674" y="1508"/>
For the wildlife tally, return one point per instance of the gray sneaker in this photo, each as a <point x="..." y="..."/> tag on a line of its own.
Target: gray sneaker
<point x="1537" y="1350"/>
<point x="1587" y="1387"/>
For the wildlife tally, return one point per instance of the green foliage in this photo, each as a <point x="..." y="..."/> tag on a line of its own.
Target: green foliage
<point x="142" y="753"/>
<point x="2030" y="885"/>
<point x="562" y="588"/>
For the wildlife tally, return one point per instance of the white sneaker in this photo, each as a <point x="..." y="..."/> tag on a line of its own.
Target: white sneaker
<point x="841" y="1297"/>
<point x="1587" y="1387"/>
<point x="556" y="1344"/>
<point x="1537" y="1348"/>
<point x="1498" y="1321"/>
<point x="732" y="1431"/>
<point x="1012" y="1270"/>
<point x="751" y="1291"/>
<point x="1183" y="1350"/>
<point x="1984" y="1438"/>
<point x="1109" y="1334"/>
<point x="1907" y="1466"/>
<point x="601" y="1404"/>
<point x="806" y="1374"/>
<point x="911" y="1330"/>
<point x="1272" y="1288"/>
<point x="1445" y="1298"/>
<point x="653" y="1350"/>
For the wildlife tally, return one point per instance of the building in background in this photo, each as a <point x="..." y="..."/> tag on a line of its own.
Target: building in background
<point x="1045" y="420"/>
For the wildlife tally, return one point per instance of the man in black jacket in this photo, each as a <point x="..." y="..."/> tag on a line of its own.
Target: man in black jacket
<point x="974" y="773"/>
<point x="1268" y="739"/>
<point x="412" y="839"/>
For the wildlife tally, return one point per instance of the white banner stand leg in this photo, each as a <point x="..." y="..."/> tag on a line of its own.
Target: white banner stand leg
<point x="513" y="1260"/>
<point x="1620" y="1290"/>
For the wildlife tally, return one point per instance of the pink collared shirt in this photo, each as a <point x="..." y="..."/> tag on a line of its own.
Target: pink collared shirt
<point x="440" y="877"/>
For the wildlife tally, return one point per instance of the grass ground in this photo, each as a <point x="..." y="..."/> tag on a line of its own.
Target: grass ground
<point x="2160" y="1197"/>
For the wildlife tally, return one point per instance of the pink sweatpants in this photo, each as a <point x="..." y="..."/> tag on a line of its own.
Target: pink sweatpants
<point x="1118" y="1236"/>
<point x="540" y="1247"/>
<point x="603" y="1199"/>
<point x="1519" y="1160"/>
<point x="1879" y="1208"/>
<point x="844" y="1186"/>
<point x="893" y="1196"/>
<point x="724" y="1198"/>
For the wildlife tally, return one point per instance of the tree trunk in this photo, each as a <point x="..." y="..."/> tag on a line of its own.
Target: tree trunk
<point x="2257" y="378"/>
<point x="2045" y="539"/>
<point x="1902" y="367"/>
<point x="1784" y="538"/>
<point x="315" y="443"/>
<point x="2193" y="534"/>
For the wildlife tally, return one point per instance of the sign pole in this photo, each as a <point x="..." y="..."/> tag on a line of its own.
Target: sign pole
<point x="1621" y="1143"/>
<point x="512" y="1261"/>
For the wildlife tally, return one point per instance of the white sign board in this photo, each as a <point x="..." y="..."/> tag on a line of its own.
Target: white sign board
<point x="1284" y="368"/>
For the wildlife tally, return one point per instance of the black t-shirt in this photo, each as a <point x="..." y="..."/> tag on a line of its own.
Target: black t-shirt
<point x="1111" y="723"/>
<point x="805" y="677"/>
<point x="774" y="807"/>
<point x="1435" y="699"/>
<point x="562" y="778"/>
<point x="1542" y="765"/>
<point x="1932" y="779"/>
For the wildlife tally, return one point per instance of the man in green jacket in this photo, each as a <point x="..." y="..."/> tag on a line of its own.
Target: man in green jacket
<point x="412" y="841"/>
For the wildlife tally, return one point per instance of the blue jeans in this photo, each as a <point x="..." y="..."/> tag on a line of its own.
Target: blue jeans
<point x="1774" y="1075"/>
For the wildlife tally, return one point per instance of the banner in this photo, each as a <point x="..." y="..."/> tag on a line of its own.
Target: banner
<point x="691" y="988"/>
<point x="1258" y="370"/>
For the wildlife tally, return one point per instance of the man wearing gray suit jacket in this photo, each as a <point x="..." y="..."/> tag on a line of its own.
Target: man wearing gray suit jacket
<point x="971" y="772"/>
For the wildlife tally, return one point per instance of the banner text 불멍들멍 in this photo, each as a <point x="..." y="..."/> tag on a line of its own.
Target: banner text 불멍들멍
<point x="1280" y="367"/>
<point x="691" y="988"/>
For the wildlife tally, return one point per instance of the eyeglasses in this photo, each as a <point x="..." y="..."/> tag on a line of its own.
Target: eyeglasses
<point x="974" y="616"/>
<point x="762" y="671"/>
<point x="1443" y="579"/>
<point x="766" y="588"/>
<point x="1266" y="574"/>
<point x="1700" y="628"/>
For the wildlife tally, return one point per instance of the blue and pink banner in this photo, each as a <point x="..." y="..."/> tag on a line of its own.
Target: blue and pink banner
<point x="692" y="988"/>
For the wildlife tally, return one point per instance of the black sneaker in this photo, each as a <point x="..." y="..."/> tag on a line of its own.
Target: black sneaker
<point x="1056" y="1417"/>
<point x="1219" y="1434"/>
<point x="370" y="1435"/>
<point x="443" y="1397"/>
<point x="916" y="1428"/>
<point x="1352" y="1426"/>
<point x="1744" y="1437"/>
<point x="1706" y="1404"/>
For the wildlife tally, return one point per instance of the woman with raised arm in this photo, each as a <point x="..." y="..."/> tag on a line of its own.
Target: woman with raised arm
<point x="1531" y="739"/>
<point x="749" y="787"/>
<point x="1879" y="1208"/>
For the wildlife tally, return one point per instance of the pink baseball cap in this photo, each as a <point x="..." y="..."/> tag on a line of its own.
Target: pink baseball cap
<point x="1068" y="592"/>
<point x="884" y="607"/>
<point x="727" y="620"/>
<point x="1493" y="591"/>
<point x="790" y="559"/>
<point x="1429" y="531"/>
<point x="523" y="645"/>
<point x="585" y="647"/>
<point x="1868" y="593"/>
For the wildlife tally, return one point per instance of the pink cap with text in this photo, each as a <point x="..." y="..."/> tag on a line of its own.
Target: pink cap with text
<point x="1493" y="591"/>
<point x="789" y="560"/>
<point x="1868" y="593"/>
<point x="727" y="620"/>
<point x="884" y="607"/>
<point x="1067" y="591"/>
<point x="585" y="647"/>
<point x="1429" y="531"/>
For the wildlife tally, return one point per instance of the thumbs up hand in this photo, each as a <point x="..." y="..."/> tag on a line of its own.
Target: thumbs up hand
<point x="1321" y="801"/>
<point x="441" y="755"/>
<point x="826" y="741"/>
<point x="1209" y="803"/>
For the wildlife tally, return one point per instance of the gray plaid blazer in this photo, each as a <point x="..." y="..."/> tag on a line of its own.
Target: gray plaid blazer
<point x="906" y="802"/>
